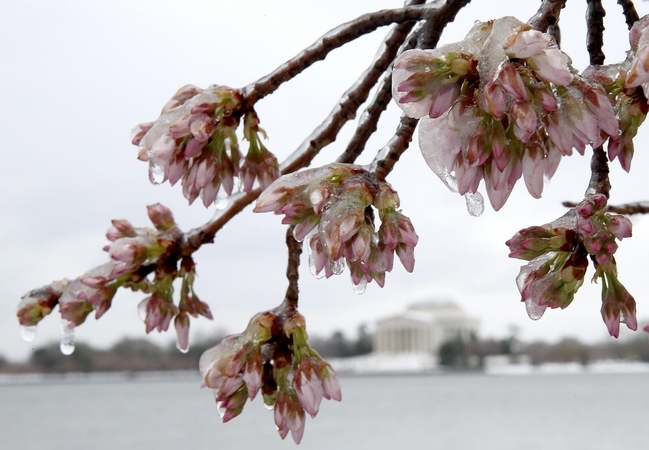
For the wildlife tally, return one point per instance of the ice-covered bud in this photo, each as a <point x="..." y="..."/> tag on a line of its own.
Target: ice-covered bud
<point x="253" y="372"/>
<point x="535" y="241"/>
<point x="638" y="73"/>
<point x="552" y="65"/>
<point x="618" y="306"/>
<point x="545" y="99"/>
<point x="330" y="383"/>
<point x="161" y="217"/>
<point x="73" y="302"/>
<point x="443" y="98"/>
<point x="119" y="229"/>
<point x="597" y="102"/>
<point x="339" y="223"/>
<point x="525" y="121"/>
<point x="308" y="387"/>
<point x="620" y="226"/>
<point x="406" y="254"/>
<point x="495" y="100"/>
<point x="261" y="165"/>
<point x="181" y="96"/>
<point x="38" y="303"/>
<point x="526" y="43"/>
<point x="181" y="324"/>
<point x="139" y="131"/>
<point x="157" y="312"/>
<point x="511" y="81"/>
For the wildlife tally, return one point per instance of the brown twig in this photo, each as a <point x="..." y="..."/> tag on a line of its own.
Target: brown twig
<point x="629" y="11"/>
<point x="395" y="147"/>
<point x="332" y="40"/>
<point x="599" y="182"/>
<point x="292" y="274"/>
<point x="547" y="15"/>
<point x="555" y="31"/>
<point x="628" y="208"/>
<point x="595" y="31"/>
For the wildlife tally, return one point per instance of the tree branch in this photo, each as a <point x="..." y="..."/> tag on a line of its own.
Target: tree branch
<point x="629" y="11"/>
<point x="335" y="38"/>
<point x="547" y="15"/>
<point x="599" y="182"/>
<point x="292" y="273"/>
<point x="383" y="165"/>
<point x="627" y="209"/>
<point x="595" y="31"/>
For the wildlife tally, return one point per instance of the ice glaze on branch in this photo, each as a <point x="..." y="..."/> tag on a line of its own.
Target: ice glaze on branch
<point x="626" y="209"/>
<point x="595" y="30"/>
<point x="547" y="15"/>
<point x="396" y="147"/>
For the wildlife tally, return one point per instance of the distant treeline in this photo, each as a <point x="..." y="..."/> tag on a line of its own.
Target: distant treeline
<point x="134" y="355"/>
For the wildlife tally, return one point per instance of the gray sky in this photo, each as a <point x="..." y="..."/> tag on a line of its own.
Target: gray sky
<point x="77" y="76"/>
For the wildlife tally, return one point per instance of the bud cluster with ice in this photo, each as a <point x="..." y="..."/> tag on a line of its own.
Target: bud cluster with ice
<point x="558" y="255"/>
<point x="194" y="141"/>
<point x="503" y="103"/>
<point x="332" y="207"/>
<point x="272" y="356"/>
<point x="141" y="259"/>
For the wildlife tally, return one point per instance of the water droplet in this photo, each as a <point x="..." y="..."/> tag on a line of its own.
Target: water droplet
<point x="222" y="201"/>
<point x="337" y="267"/>
<point x="474" y="204"/>
<point x="269" y="407"/>
<point x="28" y="333"/>
<point x="360" y="287"/>
<point x="534" y="310"/>
<point x="141" y="309"/>
<point x="67" y="337"/>
<point x="156" y="173"/>
<point x="221" y="409"/>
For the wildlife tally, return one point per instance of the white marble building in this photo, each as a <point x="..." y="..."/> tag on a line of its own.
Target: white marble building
<point x="423" y="328"/>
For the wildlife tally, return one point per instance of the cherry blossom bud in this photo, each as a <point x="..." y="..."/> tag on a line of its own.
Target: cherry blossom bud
<point x="181" y="323"/>
<point x="552" y="65"/>
<point x="617" y="305"/>
<point x="120" y="229"/>
<point x="620" y="226"/>
<point x="527" y="43"/>
<point x="161" y="217"/>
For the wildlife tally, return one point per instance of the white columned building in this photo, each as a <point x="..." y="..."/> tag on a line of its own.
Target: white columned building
<point x="423" y="328"/>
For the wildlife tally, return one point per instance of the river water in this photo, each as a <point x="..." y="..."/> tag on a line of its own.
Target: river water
<point x="447" y="412"/>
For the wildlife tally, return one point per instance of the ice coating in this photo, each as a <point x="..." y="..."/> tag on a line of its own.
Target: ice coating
<point x="360" y="287"/>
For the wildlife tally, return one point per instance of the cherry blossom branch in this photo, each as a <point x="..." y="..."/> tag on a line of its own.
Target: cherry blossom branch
<point x="599" y="182"/>
<point x="627" y="209"/>
<point x="395" y="147"/>
<point x="629" y="11"/>
<point x="547" y="15"/>
<point x="332" y="40"/>
<point x="292" y="273"/>
<point x="595" y="31"/>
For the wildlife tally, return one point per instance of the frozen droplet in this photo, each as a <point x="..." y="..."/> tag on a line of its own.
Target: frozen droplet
<point x="156" y="173"/>
<point x="534" y="310"/>
<point x="67" y="337"/>
<point x="28" y="333"/>
<point x="337" y="267"/>
<point x="474" y="203"/>
<point x="360" y="287"/>
<point x="222" y="201"/>
<point x="221" y="409"/>
<point x="141" y="309"/>
<point x="269" y="407"/>
<point x="312" y="267"/>
<point x="180" y="348"/>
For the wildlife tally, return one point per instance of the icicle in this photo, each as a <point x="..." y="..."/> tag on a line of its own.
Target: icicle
<point x="360" y="287"/>
<point x="67" y="337"/>
<point x="156" y="173"/>
<point x="474" y="204"/>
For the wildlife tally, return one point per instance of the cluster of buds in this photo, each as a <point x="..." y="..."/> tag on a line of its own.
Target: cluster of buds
<point x="194" y="141"/>
<point x="627" y="85"/>
<point x="501" y="104"/>
<point x="134" y="254"/>
<point x="558" y="255"/>
<point x="333" y="208"/>
<point x="272" y="356"/>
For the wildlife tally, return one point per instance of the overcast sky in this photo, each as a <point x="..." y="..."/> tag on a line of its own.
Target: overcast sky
<point x="78" y="75"/>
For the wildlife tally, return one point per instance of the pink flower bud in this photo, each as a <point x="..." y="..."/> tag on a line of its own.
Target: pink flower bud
<point x="552" y="65"/>
<point x="161" y="217"/>
<point x="620" y="226"/>
<point x="527" y="43"/>
<point x="181" y="323"/>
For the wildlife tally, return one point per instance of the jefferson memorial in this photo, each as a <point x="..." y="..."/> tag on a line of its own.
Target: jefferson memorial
<point x="423" y="328"/>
